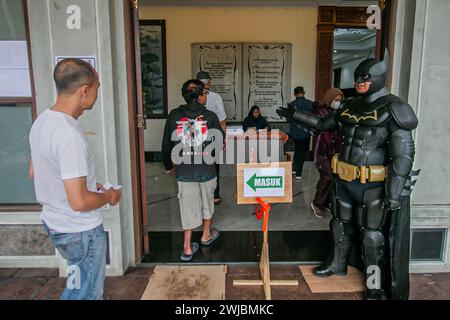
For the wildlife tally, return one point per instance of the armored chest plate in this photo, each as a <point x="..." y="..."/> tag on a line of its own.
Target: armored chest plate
<point x="364" y="134"/>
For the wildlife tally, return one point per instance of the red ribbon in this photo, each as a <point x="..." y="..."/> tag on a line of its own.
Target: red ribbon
<point x="265" y="209"/>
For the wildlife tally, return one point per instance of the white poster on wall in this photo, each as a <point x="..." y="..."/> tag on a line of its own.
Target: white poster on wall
<point x="247" y="74"/>
<point x="92" y="60"/>
<point x="223" y="63"/>
<point x="267" y="77"/>
<point x="14" y="69"/>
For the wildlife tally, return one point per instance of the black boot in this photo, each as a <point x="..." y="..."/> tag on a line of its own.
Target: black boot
<point x="374" y="260"/>
<point x="338" y="259"/>
<point x="373" y="294"/>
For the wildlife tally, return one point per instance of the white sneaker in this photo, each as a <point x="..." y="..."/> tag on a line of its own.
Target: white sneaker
<point x="298" y="178"/>
<point x="317" y="212"/>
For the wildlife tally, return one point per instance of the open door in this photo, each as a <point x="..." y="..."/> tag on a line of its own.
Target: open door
<point x="141" y="124"/>
<point x="331" y="18"/>
<point x="137" y="125"/>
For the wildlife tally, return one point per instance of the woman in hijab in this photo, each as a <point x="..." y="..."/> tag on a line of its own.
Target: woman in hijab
<point x="255" y="120"/>
<point x="326" y="145"/>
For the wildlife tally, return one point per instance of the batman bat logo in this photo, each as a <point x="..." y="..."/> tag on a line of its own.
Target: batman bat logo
<point x="373" y="115"/>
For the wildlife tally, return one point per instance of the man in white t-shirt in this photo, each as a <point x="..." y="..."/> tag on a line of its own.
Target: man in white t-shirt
<point x="214" y="104"/>
<point x="65" y="182"/>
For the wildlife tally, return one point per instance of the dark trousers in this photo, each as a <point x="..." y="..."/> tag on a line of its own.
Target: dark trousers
<point x="217" y="191"/>
<point x="322" y="198"/>
<point x="301" y="151"/>
<point x="361" y="203"/>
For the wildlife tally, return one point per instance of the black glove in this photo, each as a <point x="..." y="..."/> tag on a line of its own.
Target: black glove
<point x="391" y="204"/>
<point x="287" y="113"/>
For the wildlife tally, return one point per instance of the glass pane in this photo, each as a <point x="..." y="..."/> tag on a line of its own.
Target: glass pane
<point x="152" y="64"/>
<point x="15" y="185"/>
<point x="427" y="245"/>
<point x="12" y="23"/>
<point x="351" y="47"/>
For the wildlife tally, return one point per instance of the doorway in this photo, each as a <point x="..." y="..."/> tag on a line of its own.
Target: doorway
<point x="351" y="46"/>
<point x="296" y="234"/>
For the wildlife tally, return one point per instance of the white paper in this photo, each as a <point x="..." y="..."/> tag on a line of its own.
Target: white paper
<point x="92" y="60"/>
<point x="235" y="130"/>
<point x="13" y="55"/>
<point x="15" y="83"/>
<point x="14" y="69"/>
<point x="264" y="182"/>
<point x="107" y="186"/>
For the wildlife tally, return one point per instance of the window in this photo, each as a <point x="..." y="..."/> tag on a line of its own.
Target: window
<point x="428" y="244"/>
<point x="154" y="68"/>
<point x="16" y="106"/>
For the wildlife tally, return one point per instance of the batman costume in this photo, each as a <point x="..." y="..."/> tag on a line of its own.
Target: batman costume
<point x="372" y="182"/>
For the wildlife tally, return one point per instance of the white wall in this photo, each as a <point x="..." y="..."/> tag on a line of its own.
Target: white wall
<point x="107" y="132"/>
<point x="187" y="25"/>
<point x="430" y="80"/>
<point x="425" y="79"/>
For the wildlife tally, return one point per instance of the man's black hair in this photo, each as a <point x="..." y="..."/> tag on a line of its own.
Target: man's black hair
<point x="71" y="74"/>
<point x="299" y="90"/>
<point x="192" y="90"/>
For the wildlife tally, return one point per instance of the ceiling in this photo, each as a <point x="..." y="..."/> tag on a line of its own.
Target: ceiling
<point x="251" y="3"/>
<point x="349" y="45"/>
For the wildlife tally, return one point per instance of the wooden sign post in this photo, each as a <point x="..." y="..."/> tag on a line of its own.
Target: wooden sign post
<point x="262" y="184"/>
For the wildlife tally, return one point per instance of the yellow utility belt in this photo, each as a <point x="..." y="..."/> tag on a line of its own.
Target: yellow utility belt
<point x="349" y="172"/>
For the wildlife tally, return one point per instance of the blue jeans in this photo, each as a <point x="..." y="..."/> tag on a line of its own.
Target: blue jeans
<point x="85" y="253"/>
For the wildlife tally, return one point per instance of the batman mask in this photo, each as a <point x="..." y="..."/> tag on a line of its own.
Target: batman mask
<point x="372" y="70"/>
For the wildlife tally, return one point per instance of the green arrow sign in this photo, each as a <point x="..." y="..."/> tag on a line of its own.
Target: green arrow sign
<point x="274" y="182"/>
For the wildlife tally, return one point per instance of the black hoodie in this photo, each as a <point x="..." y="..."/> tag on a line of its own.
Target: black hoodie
<point x="190" y="125"/>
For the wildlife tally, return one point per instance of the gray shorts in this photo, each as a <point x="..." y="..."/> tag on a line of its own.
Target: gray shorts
<point x="196" y="202"/>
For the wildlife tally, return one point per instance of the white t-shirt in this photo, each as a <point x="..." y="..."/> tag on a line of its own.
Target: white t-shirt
<point x="214" y="103"/>
<point x="60" y="151"/>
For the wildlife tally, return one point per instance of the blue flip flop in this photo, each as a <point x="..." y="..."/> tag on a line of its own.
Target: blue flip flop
<point x="215" y="235"/>
<point x="187" y="258"/>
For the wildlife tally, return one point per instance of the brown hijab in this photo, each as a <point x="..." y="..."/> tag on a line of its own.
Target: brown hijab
<point x="330" y="95"/>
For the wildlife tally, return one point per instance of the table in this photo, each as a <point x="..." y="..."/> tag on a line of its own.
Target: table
<point x="241" y="148"/>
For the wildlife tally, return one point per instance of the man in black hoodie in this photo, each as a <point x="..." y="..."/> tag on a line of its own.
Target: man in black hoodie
<point x="192" y="137"/>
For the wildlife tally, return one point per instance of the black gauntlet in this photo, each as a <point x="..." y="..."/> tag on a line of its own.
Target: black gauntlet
<point x="315" y="122"/>
<point x="401" y="151"/>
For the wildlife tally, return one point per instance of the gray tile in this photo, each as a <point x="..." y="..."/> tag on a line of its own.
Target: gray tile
<point x="164" y="214"/>
<point x="25" y="240"/>
<point x="8" y="272"/>
<point x="37" y="272"/>
<point x="20" y="288"/>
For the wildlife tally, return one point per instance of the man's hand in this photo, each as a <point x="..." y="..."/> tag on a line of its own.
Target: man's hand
<point x="113" y="196"/>
<point x="287" y="113"/>
<point x="81" y="199"/>
<point x="170" y="172"/>
<point x="223" y="124"/>
<point x="391" y="204"/>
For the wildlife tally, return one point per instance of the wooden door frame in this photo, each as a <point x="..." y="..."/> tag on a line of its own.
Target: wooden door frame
<point x="329" y="18"/>
<point x="137" y="164"/>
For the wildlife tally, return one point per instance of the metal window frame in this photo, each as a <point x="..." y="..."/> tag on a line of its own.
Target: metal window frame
<point x="31" y="207"/>
<point x="443" y="245"/>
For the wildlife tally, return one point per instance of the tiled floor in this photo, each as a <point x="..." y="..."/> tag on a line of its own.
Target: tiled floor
<point x="44" y="284"/>
<point x="243" y="247"/>
<point x="164" y="212"/>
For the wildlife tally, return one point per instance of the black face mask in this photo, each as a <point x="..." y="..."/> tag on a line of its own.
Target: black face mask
<point x="374" y="71"/>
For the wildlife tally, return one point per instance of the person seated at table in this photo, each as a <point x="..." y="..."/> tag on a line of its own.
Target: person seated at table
<point x="255" y="120"/>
